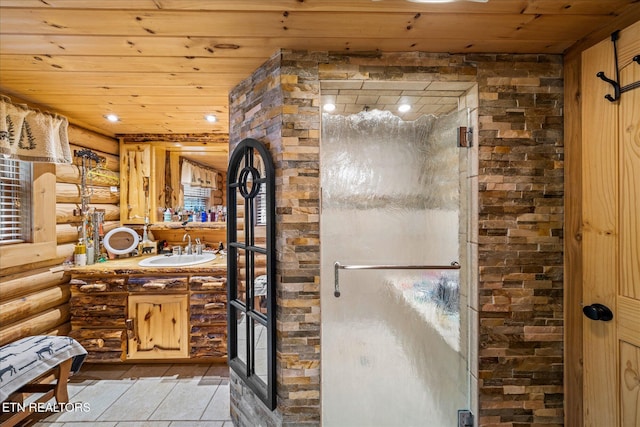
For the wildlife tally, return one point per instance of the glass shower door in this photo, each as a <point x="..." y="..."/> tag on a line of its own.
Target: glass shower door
<point x="394" y="334"/>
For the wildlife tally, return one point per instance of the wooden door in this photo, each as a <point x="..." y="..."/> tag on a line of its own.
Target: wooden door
<point x="611" y="235"/>
<point x="160" y="326"/>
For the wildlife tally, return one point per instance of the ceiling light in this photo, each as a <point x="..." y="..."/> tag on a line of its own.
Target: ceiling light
<point x="446" y="1"/>
<point x="226" y="46"/>
<point x="211" y="118"/>
<point x="403" y="108"/>
<point x="329" y="107"/>
<point x="112" y="118"/>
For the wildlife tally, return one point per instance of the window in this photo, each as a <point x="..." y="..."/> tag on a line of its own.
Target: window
<point x="251" y="268"/>
<point x="15" y="201"/>
<point x="261" y="206"/>
<point x="196" y="198"/>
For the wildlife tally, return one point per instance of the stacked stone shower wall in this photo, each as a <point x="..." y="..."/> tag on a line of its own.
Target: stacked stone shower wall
<point x="518" y="366"/>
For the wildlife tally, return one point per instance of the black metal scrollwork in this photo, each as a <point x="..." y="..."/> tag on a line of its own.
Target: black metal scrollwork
<point x="249" y="174"/>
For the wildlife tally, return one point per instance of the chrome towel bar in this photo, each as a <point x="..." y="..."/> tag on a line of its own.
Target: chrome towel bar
<point x="337" y="267"/>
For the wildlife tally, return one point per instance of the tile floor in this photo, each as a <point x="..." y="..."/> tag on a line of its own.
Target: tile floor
<point x="141" y="395"/>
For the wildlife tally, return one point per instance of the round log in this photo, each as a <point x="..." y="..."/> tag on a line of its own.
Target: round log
<point x="72" y="174"/>
<point x="112" y="162"/>
<point x="62" y="330"/>
<point x="70" y="193"/>
<point x="68" y="233"/>
<point x="35" y="325"/>
<point x="64" y="212"/>
<point x="65" y="251"/>
<point x="31" y="281"/>
<point x="23" y="307"/>
<point x="92" y="140"/>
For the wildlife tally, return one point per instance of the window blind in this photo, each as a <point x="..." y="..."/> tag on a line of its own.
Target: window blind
<point x="261" y="206"/>
<point x="196" y="198"/>
<point x="15" y="201"/>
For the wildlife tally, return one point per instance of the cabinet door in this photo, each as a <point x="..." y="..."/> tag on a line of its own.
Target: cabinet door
<point x="135" y="186"/>
<point x="158" y="327"/>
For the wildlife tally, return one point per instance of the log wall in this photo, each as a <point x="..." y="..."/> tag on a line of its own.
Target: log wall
<point x="34" y="296"/>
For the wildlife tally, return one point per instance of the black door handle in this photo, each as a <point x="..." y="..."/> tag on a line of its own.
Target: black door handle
<point x="597" y="312"/>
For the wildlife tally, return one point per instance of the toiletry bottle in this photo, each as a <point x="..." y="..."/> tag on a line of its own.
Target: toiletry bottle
<point x="167" y="215"/>
<point x="91" y="257"/>
<point x="80" y="254"/>
<point x="203" y="216"/>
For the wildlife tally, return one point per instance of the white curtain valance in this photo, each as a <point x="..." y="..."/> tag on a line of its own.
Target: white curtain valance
<point x="198" y="176"/>
<point x="31" y="135"/>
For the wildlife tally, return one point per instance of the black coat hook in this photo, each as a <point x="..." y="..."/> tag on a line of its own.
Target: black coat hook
<point x="617" y="89"/>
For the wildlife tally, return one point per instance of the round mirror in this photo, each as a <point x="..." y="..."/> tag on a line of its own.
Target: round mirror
<point x="121" y="241"/>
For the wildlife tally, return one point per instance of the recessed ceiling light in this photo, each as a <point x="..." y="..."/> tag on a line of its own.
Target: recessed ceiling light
<point x="403" y="108"/>
<point x="329" y="107"/>
<point x="446" y="1"/>
<point x="112" y="118"/>
<point x="226" y="46"/>
<point x="211" y="118"/>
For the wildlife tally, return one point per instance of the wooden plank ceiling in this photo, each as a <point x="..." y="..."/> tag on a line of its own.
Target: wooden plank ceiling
<point x="162" y="65"/>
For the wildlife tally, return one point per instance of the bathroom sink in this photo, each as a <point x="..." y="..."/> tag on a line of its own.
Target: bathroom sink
<point x="176" y="260"/>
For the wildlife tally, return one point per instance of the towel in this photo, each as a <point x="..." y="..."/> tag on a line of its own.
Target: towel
<point x="31" y="135"/>
<point x="198" y="176"/>
<point x="185" y="176"/>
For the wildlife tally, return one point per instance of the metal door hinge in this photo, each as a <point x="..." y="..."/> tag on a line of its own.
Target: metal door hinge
<point x="465" y="418"/>
<point x="465" y="136"/>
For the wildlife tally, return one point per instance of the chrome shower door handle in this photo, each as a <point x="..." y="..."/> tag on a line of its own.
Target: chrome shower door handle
<point x="337" y="267"/>
<point x="336" y="289"/>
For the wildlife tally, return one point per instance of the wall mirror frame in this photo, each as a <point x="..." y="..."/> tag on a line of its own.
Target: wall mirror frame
<point x="158" y="159"/>
<point x="251" y="268"/>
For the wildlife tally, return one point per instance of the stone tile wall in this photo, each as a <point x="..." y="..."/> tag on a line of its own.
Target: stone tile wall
<point x="518" y="369"/>
<point x="521" y="165"/>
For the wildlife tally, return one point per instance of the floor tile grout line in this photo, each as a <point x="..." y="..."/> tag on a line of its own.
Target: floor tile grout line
<point x="155" y="408"/>
<point x="113" y="399"/>
<point x="129" y="380"/>
<point x="203" y="410"/>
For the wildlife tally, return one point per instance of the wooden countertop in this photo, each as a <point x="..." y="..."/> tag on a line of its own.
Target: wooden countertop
<point x="130" y="266"/>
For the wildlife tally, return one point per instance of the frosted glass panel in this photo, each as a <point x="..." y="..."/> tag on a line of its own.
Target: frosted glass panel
<point x="393" y="344"/>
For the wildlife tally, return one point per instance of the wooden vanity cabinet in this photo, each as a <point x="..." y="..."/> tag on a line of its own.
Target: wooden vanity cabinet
<point x="98" y="316"/>
<point x="208" y="319"/>
<point x="150" y="317"/>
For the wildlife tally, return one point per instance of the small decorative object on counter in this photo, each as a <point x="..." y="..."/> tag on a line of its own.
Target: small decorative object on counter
<point x="91" y="257"/>
<point x="80" y="254"/>
<point x="167" y="215"/>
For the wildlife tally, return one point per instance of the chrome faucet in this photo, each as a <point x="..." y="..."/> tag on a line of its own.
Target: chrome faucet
<point x="188" y="248"/>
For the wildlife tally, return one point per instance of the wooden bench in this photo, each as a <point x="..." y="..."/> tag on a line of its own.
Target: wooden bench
<point x="23" y="366"/>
